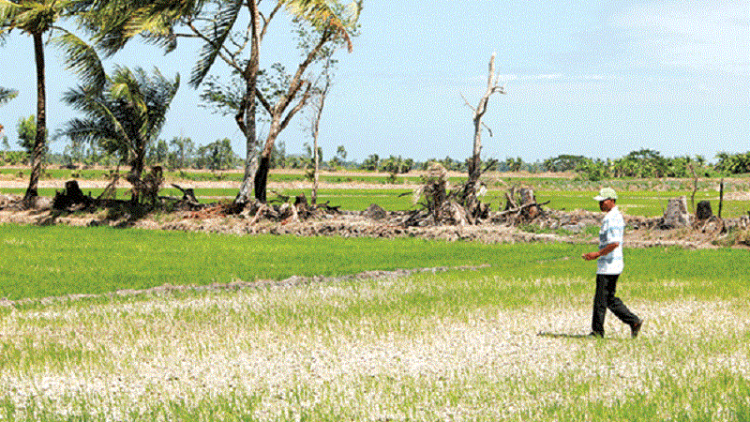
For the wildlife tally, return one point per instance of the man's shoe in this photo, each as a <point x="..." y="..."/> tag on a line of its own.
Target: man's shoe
<point x="596" y="335"/>
<point x="636" y="328"/>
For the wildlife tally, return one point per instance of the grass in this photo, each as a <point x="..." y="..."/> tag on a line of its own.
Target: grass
<point x="67" y="260"/>
<point x="455" y="345"/>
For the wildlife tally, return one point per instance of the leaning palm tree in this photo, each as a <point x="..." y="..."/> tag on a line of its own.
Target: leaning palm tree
<point x="123" y="118"/>
<point x="37" y="18"/>
<point x="232" y="32"/>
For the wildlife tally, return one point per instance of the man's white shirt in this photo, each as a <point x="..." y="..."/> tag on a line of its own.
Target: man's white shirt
<point x="612" y="230"/>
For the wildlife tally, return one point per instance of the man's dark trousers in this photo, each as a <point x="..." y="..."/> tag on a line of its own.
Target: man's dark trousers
<point x="606" y="285"/>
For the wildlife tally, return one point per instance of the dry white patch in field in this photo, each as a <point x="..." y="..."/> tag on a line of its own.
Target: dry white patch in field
<point x="294" y="349"/>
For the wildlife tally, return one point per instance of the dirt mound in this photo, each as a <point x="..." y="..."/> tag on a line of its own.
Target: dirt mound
<point x="301" y="219"/>
<point x="557" y="226"/>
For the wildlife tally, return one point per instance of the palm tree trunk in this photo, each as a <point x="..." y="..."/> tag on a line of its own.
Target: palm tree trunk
<point x="136" y="172"/>
<point x="41" y="122"/>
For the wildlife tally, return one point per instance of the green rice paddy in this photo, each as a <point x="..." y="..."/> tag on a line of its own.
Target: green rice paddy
<point x="460" y="344"/>
<point x="490" y="333"/>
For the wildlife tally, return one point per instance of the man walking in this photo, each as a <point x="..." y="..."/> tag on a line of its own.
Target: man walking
<point x="609" y="267"/>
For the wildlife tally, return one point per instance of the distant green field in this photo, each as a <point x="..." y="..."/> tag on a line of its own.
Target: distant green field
<point x="637" y="197"/>
<point x="649" y="204"/>
<point x="224" y="175"/>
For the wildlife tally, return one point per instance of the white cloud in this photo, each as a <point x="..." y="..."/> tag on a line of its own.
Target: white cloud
<point x="705" y="35"/>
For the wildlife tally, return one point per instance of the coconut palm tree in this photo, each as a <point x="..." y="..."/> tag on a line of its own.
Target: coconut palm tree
<point x="37" y="18"/>
<point x="228" y="37"/>
<point x="125" y="117"/>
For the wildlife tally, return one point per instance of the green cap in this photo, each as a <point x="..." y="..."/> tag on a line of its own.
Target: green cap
<point x="606" y="193"/>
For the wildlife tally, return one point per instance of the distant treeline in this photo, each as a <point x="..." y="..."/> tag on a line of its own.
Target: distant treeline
<point x="647" y="163"/>
<point x="183" y="153"/>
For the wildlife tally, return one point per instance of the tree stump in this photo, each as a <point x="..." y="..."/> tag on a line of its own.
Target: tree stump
<point x="188" y="195"/>
<point x="703" y="211"/>
<point x="72" y="195"/>
<point x="375" y="212"/>
<point x="521" y="205"/>
<point x="453" y="214"/>
<point x="528" y="198"/>
<point x="435" y="189"/>
<point x="676" y="214"/>
<point x="300" y="202"/>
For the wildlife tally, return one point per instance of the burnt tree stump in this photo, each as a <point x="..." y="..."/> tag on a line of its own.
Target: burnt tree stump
<point x="703" y="211"/>
<point x="71" y="196"/>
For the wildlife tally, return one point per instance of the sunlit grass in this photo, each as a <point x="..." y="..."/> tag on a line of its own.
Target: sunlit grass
<point x="460" y="345"/>
<point x="66" y="260"/>
<point x="455" y="345"/>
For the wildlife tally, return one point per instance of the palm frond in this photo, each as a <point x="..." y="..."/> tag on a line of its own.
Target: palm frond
<point x="127" y="115"/>
<point x="82" y="130"/>
<point x="155" y="19"/>
<point x="33" y="17"/>
<point x="82" y="59"/>
<point x="217" y="35"/>
<point x="116" y="22"/>
<point x="75" y="97"/>
<point x="8" y="11"/>
<point x="107" y="22"/>
<point x="158" y="92"/>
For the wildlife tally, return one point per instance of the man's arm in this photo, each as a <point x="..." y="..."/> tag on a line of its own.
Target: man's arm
<point x="603" y="251"/>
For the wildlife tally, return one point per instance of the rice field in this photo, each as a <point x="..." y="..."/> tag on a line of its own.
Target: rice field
<point x="371" y="351"/>
<point x="498" y="334"/>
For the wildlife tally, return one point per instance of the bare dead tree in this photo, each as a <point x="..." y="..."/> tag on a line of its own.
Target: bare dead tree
<point x="317" y="105"/>
<point x="493" y="87"/>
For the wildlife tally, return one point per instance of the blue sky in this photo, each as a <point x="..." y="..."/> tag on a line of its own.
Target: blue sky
<point x="598" y="79"/>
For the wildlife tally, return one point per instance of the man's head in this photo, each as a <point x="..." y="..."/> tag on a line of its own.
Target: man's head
<point x="607" y="198"/>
